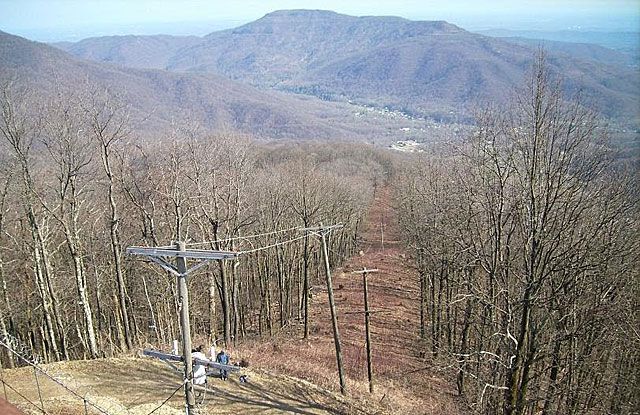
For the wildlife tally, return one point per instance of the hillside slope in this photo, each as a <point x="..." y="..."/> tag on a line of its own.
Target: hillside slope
<point x="207" y="100"/>
<point x="425" y="68"/>
<point x="135" y="386"/>
<point x="142" y="52"/>
<point x="405" y="380"/>
<point x="582" y="51"/>
<point x="626" y="42"/>
<point x="288" y="374"/>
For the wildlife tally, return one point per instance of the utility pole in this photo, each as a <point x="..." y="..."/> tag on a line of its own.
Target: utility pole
<point x="322" y="232"/>
<point x="305" y="290"/>
<point x="382" y="231"/>
<point x="160" y="256"/>
<point x="185" y="326"/>
<point x="367" y="312"/>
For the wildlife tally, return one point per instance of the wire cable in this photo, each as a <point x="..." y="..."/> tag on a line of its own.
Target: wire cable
<point x="53" y="379"/>
<point x="271" y="246"/>
<point x="167" y="400"/>
<point x="328" y="229"/>
<point x="23" y="397"/>
<point x="257" y="235"/>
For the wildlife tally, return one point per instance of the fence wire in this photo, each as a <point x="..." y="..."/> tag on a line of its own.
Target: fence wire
<point x="33" y="390"/>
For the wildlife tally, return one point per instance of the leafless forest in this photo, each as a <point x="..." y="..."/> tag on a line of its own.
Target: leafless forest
<point x="526" y="243"/>
<point x="524" y="236"/>
<point x="78" y="188"/>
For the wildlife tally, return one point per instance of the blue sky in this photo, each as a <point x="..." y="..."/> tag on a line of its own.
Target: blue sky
<point x="50" y="20"/>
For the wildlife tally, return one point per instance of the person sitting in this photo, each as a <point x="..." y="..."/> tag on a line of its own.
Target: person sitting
<point x="199" y="370"/>
<point x="223" y="359"/>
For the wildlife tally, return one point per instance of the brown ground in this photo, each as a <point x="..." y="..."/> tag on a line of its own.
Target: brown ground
<point x="287" y="374"/>
<point x="138" y="386"/>
<point x="403" y="381"/>
<point x="7" y="409"/>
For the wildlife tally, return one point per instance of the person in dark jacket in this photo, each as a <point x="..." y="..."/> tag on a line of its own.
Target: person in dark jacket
<point x="223" y="359"/>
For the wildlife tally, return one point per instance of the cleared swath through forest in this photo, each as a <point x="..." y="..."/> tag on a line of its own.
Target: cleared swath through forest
<point x="403" y="374"/>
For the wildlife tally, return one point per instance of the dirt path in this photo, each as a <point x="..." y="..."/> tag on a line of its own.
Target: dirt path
<point x="399" y="366"/>
<point x="404" y="383"/>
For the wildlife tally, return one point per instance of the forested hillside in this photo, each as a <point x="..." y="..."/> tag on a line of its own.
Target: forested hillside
<point x="78" y="187"/>
<point x="157" y="100"/>
<point x="526" y="240"/>
<point x="423" y="68"/>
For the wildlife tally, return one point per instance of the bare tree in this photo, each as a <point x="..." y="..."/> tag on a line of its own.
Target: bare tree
<point x="517" y="235"/>
<point x="71" y="152"/>
<point x="108" y="121"/>
<point x="20" y="132"/>
<point x="5" y="312"/>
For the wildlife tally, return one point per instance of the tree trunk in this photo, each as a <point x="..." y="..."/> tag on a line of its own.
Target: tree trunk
<point x="226" y="306"/>
<point x="235" y="298"/>
<point x="213" y="315"/>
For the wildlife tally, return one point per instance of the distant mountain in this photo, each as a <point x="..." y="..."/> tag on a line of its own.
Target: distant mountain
<point x="582" y="51"/>
<point x="627" y="42"/>
<point x="285" y="44"/>
<point x="213" y="101"/>
<point x="421" y="68"/>
<point x="144" y="52"/>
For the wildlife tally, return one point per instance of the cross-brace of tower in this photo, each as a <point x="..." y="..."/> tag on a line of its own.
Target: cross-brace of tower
<point x="162" y="256"/>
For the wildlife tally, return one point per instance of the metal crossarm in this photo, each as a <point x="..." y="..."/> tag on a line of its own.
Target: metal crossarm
<point x="189" y="253"/>
<point x="177" y="358"/>
<point x="321" y="230"/>
<point x="365" y="271"/>
<point x="160" y="254"/>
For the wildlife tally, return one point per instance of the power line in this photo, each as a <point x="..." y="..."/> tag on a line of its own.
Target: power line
<point x="271" y="246"/>
<point x="242" y="237"/>
<point x="156" y="253"/>
<point x="257" y="235"/>
<point x="316" y="230"/>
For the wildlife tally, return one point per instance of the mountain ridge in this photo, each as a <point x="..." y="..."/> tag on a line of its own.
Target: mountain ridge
<point x="207" y="99"/>
<point x="429" y="69"/>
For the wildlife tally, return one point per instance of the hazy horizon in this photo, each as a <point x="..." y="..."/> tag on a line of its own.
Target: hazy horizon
<point x="62" y="20"/>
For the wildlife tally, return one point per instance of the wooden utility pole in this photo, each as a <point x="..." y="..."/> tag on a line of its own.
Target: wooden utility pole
<point x="364" y="273"/>
<point x="382" y="232"/>
<point x="334" y="317"/>
<point x="160" y="256"/>
<point x="322" y="232"/>
<point x="185" y="326"/>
